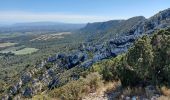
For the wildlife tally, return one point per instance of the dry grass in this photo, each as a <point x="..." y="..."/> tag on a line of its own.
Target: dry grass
<point x="164" y="98"/>
<point x="133" y="91"/>
<point x="165" y="91"/>
<point x="75" y="90"/>
<point x="111" y="86"/>
<point x="107" y="87"/>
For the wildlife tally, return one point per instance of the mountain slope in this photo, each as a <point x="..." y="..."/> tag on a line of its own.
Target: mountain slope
<point x="132" y="26"/>
<point x="102" y="41"/>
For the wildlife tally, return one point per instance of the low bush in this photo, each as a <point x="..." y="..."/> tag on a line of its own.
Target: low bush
<point x="147" y="62"/>
<point x="75" y="90"/>
<point x="107" y="68"/>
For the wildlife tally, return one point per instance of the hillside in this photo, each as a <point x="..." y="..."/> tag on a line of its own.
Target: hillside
<point x="130" y="51"/>
<point x="142" y="72"/>
<point x="117" y="28"/>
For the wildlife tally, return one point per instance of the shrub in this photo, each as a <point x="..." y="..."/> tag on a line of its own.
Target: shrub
<point x="147" y="61"/>
<point x="3" y="86"/>
<point x="140" y="57"/>
<point x="107" y="74"/>
<point x="161" y="63"/>
<point x="48" y="65"/>
<point x="94" y="81"/>
<point x="107" y="68"/>
<point x="136" y="65"/>
<point x="75" y="90"/>
<point x="127" y="76"/>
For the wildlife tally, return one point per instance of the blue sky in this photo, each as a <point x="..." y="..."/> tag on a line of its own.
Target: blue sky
<point x="77" y="11"/>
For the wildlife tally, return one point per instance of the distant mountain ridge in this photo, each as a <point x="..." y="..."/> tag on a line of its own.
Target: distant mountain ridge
<point x="133" y="26"/>
<point x="41" y="26"/>
<point x="102" y="41"/>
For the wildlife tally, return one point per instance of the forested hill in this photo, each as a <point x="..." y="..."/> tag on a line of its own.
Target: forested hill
<point x="133" y="26"/>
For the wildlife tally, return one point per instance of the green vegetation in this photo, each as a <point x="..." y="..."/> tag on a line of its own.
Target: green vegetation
<point x="135" y="66"/>
<point x="146" y="62"/>
<point x="11" y="67"/>
<point x="75" y="90"/>
<point x="107" y="68"/>
<point x="101" y="31"/>
<point x="12" y="49"/>
<point x="3" y="45"/>
<point x="18" y="50"/>
<point x="9" y="35"/>
<point x="25" y="51"/>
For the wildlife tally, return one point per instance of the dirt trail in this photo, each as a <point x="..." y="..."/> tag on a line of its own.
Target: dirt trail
<point x="103" y="92"/>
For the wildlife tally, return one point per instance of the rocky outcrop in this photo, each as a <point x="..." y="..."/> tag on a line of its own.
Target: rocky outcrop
<point x="88" y="53"/>
<point x="69" y="60"/>
<point x="53" y="83"/>
<point x="26" y="77"/>
<point x="28" y="92"/>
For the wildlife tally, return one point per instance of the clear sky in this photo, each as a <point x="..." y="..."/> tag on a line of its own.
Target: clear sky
<point x="77" y="11"/>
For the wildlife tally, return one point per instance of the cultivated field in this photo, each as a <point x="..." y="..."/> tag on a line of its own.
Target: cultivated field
<point x="51" y="36"/>
<point x="3" y="45"/>
<point x="21" y="50"/>
<point x="25" y="51"/>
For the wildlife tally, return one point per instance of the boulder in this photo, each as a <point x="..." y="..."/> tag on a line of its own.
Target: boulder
<point x="151" y="91"/>
<point x="28" y="92"/>
<point x="13" y="90"/>
<point x="26" y="77"/>
<point x="36" y="87"/>
<point x="60" y="56"/>
<point x="51" y="59"/>
<point x="51" y="72"/>
<point x="53" y="83"/>
<point x="87" y="63"/>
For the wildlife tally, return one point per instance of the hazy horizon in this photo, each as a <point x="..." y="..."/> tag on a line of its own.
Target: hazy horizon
<point x="76" y="11"/>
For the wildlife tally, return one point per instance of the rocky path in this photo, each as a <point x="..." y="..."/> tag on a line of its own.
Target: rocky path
<point x="103" y="93"/>
<point x="112" y="91"/>
<point x="94" y="96"/>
